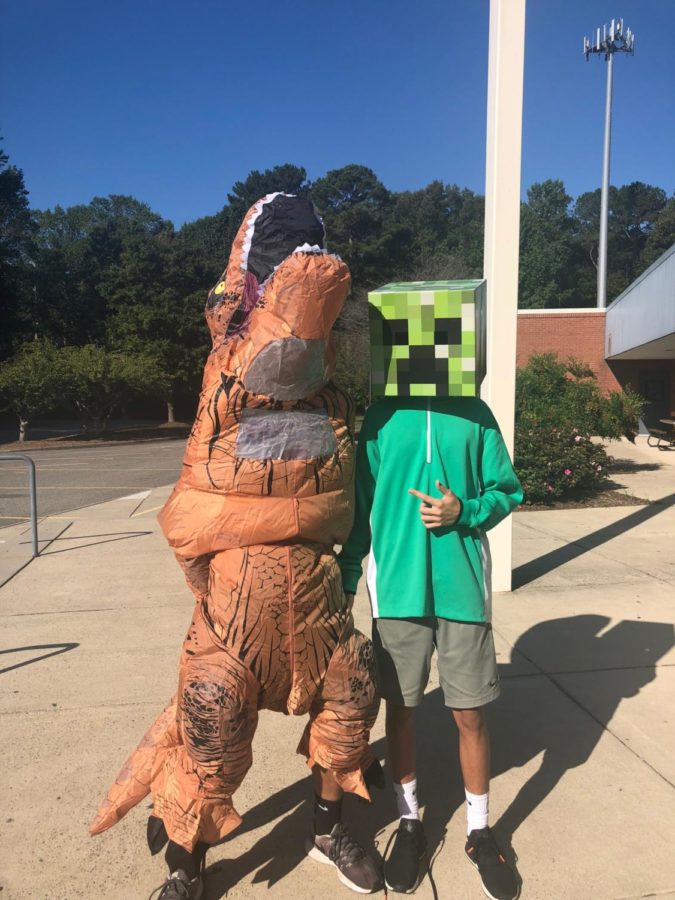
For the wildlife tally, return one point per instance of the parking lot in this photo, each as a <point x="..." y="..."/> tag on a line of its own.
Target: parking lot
<point x="72" y="478"/>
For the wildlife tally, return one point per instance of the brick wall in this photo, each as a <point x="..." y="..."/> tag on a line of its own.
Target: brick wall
<point x="573" y="332"/>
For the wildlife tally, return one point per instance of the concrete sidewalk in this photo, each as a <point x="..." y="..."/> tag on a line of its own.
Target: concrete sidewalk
<point x="583" y="734"/>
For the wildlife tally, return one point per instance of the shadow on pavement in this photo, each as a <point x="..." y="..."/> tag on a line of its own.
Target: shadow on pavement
<point x="110" y="538"/>
<point x="628" y="466"/>
<point x="542" y="565"/>
<point x="629" y="649"/>
<point x="524" y="722"/>
<point x="55" y="648"/>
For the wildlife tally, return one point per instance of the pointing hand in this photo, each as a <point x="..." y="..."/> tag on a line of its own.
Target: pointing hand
<point x="438" y="512"/>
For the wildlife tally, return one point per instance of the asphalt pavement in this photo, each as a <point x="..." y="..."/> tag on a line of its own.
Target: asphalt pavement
<point x="77" y="477"/>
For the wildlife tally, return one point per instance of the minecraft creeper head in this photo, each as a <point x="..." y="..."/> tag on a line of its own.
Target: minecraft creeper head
<point x="427" y="339"/>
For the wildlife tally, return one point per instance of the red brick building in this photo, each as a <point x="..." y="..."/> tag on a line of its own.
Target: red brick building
<point x="566" y="332"/>
<point x="631" y="343"/>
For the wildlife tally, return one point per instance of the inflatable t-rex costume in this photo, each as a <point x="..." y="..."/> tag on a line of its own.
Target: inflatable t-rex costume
<point x="265" y="492"/>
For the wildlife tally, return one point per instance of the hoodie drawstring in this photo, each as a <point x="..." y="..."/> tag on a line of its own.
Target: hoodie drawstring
<point x="428" y="430"/>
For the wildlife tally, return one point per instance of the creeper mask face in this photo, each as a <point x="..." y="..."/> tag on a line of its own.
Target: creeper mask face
<point x="427" y="339"/>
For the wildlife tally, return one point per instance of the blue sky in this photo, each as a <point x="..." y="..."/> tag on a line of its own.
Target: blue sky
<point x="172" y="102"/>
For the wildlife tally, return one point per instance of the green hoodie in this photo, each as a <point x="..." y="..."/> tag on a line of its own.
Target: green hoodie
<point x="410" y="443"/>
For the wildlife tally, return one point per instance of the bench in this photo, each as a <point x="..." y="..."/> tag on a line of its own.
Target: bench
<point x="663" y="438"/>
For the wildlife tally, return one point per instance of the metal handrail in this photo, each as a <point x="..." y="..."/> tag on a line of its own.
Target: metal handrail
<point x="33" y="493"/>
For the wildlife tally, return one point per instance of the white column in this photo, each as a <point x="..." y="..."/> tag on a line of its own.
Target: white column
<point x="502" y="226"/>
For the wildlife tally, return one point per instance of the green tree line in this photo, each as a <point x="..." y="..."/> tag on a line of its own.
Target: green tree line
<point x="115" y="275"/>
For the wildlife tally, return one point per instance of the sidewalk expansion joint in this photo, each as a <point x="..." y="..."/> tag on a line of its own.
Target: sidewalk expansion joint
<point x="666" y="893"/>
<point x="66" y="612"/>
<point x="145" y="512"/>
<point x="152" y="704"/>
<point x="593" y="548"/>
<point x="584" y="671"/>
<point x="534" y="586"/>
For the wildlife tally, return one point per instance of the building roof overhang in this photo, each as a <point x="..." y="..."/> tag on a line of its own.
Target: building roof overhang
<point x="640" y="323"/>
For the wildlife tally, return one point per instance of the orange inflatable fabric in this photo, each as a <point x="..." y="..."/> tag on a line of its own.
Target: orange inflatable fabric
<point x="265" y="492"/>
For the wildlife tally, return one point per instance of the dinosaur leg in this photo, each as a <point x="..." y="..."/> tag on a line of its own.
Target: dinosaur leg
<point x="337" y="735"/>
<point x="196" y="754"/>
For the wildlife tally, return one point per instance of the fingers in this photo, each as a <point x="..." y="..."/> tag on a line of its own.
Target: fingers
<point x="446" y="491"/>
<point x="430" y="501"/>
<point x="433" y="501"/>
<point x="430" y="517"/>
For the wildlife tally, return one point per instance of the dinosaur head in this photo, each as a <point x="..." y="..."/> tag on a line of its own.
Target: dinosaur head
<point x="272" y="312"/>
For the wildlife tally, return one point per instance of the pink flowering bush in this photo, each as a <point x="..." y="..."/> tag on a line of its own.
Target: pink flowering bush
<point x="553" y="465"/>
<point x="559" y="407"/>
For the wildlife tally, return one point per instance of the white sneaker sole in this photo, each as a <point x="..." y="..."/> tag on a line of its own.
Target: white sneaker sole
<point x="314" y="853"/>
<point x="485" y="890"/>
<point x="421" y="872"/>
<point x="409" y="891"/>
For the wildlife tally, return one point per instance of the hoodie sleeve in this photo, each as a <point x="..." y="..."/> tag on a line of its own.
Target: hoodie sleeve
<point x="500" y="489"/>
<point x="358" y="542"/>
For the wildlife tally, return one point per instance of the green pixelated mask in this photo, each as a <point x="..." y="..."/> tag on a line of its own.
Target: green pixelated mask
<point x="427" y="339"/>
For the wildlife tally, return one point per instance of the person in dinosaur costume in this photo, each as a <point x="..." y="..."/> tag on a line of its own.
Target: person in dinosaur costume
<point x="265" y="493"/>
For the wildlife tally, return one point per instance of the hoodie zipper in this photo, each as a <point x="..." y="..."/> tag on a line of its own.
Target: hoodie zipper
<point x="428" y="430"/>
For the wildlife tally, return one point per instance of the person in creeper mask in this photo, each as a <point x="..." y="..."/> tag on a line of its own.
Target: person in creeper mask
<point x="433" y="475"/>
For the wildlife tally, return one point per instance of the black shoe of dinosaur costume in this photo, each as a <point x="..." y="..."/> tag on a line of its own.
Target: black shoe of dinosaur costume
<point x="178" y="886"/>
<point x="186" y="870"/>
<point x="355" y="869"/>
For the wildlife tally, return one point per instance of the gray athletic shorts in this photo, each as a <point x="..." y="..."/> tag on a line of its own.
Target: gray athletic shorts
<point x="467" y="664"/>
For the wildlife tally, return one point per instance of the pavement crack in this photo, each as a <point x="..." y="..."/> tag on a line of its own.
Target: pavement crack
<point x="584" y="671"/>
<point x="65" y="612"/>
<point x="587" y="545"/>
<point x="94" y="706"/>
<point x="665" y="893"/>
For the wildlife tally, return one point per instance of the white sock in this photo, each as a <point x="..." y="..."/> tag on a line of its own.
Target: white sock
<point x="476" y="810"/>
<point x="406" y="799"/>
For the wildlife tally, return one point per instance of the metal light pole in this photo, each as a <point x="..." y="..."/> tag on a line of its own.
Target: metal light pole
<point x="614" y="40"/>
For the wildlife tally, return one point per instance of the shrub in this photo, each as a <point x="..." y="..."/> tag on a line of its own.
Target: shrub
<point x="554" y="464"/>
<point x="559" y="408"/>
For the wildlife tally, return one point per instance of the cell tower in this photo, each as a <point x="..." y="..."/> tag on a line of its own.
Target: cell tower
<point x="614" y="40"/>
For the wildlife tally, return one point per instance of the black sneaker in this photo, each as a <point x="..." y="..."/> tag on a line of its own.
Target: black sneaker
<point x="405" y="865"/>
<point x="499" y="881"/>
<point x="178" y="886"/>
<point x="355" y="868"/>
